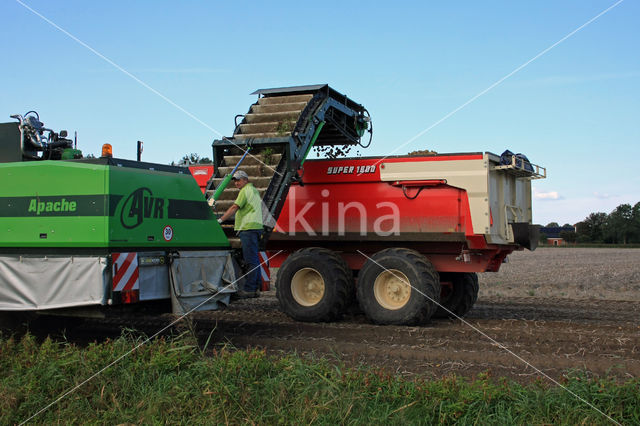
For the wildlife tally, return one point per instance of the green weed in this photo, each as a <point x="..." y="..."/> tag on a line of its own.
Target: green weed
<point x="285" y="127"/>
<point x="170" y="380"/>
<point x="267" y="156"/>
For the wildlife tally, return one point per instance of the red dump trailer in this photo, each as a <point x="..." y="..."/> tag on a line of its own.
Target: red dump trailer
<point x="455" y="208"/>
<point x="402" y="235"/>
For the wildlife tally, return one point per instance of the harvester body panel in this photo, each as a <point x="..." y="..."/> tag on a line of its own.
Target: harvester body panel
<point x="77" y="205"/>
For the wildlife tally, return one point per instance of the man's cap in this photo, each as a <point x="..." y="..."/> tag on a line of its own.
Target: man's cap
<point x="240" y="174"/>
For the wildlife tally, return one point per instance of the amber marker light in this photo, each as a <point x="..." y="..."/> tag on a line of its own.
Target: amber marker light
<point x="107" y="150"/>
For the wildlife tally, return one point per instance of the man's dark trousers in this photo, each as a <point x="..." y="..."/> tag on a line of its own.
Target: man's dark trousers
<point x="250" y="247"/>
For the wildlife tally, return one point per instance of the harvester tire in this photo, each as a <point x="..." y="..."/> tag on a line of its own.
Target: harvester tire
<point x="314" y="284"/>
<point x="462" y="297"/>
<point x="398" y="286"/>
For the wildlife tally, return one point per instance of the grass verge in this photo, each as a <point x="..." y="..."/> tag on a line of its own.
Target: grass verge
<point x="171" y="381"/>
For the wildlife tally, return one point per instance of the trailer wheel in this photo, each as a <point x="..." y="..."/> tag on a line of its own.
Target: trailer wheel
<point x="470" y="295"/>
<point x="461" y="296"/>
<point x="476" y="286"/>
<point x="451" y="294"/>
<point x="313" y="285"/>
<point x="352" y="301"/>
<point x="398" y="286"/>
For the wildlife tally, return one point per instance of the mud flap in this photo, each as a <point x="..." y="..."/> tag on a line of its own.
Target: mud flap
<point x="51" y="282"/>
<point x="201" y="280"/>
<point x="526" y="235"/>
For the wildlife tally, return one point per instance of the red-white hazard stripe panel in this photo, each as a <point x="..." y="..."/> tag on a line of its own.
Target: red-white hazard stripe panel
<point x="125" y="271"/>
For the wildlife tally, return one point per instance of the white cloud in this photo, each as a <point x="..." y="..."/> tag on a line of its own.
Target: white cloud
<point x="547" y="196"/>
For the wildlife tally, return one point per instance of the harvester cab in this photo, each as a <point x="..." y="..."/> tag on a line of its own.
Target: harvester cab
<point x="274" y="138"/>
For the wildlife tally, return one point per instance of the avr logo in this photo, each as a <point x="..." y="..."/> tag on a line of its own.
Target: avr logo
<point x="141" y="205"/>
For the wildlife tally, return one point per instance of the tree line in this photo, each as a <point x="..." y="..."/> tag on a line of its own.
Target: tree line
<point x="191" y="160"/>
<point x="621" y="226"/>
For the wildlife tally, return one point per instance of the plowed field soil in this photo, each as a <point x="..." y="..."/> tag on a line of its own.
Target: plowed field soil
<point x="550" y="311"/>
<point x="544" y="313"/>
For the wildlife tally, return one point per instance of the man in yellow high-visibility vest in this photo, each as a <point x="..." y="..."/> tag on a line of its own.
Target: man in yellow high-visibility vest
<point x="248" y="225"/>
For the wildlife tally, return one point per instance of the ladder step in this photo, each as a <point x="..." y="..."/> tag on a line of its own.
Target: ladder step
<point x="260" y="135"/>
<point x="271" y="117"/>
<point x="223" y="205"/>
<point x="231" y="193"/>
<point x="274" y="126"/>
<point x="271" y="100"/>
<point x="258" y="182"/>
<point x="290" y="108"/>
<point x="253" y="160"/>
<point x="252" y="171"/>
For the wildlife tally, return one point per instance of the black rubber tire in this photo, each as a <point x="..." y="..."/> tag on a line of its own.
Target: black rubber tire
<point x="450" y="296"/>
<point x="351" y="305"/>
<point x="423" y="278"/>
<point x="337" y="281"/>
<point x="462" y="298"/>
<point x="351" y="287"/>
<point x="471" y="293"/>
<point x="476" y="287"/>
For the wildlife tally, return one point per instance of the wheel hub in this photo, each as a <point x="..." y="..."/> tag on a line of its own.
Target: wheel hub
<point x="307" y="287"/>
<point x="392" y="289"/>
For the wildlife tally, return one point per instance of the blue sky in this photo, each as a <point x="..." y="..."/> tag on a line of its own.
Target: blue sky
<point x="574" y="110"/>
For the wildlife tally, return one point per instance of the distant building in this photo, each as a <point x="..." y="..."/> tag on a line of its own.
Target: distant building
<point x="553" y="234"/>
